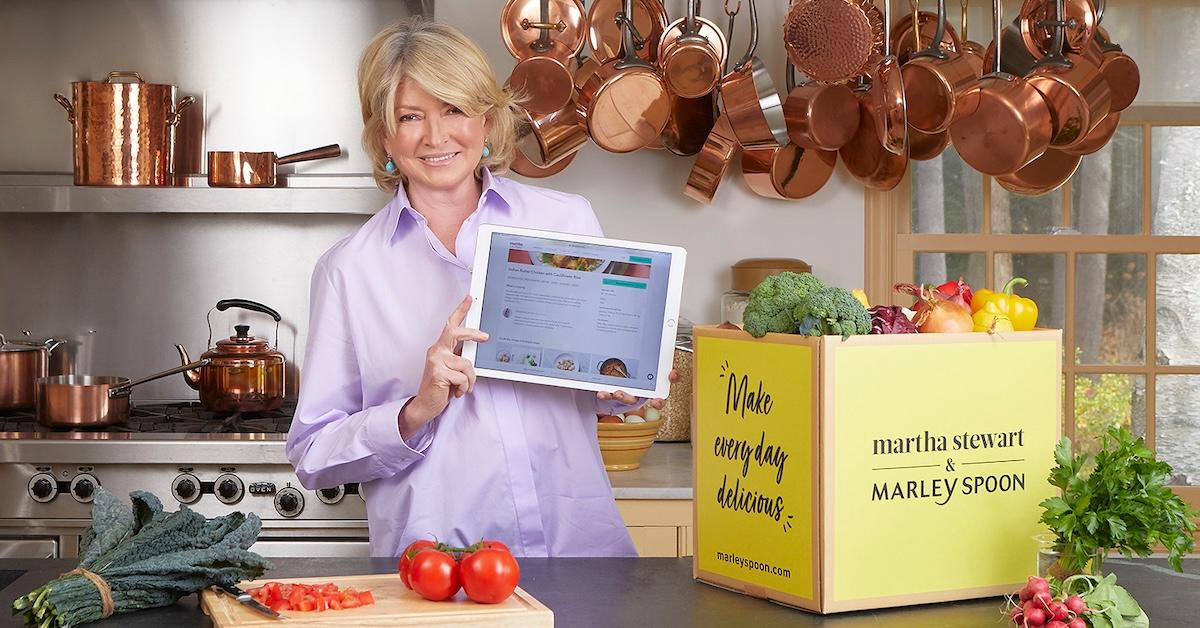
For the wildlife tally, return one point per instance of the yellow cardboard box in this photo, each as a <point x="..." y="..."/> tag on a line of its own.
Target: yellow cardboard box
<point x="874" y="471"/>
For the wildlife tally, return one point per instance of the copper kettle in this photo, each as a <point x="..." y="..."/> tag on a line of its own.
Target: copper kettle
<point x="244" y="373"/>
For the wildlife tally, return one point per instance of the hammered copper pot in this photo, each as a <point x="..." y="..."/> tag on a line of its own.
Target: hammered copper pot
<point x="124" y="132"/>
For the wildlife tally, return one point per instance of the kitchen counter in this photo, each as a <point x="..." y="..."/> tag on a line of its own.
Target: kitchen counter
<point x="666" y="473"/>
<point x="659" y="592"/>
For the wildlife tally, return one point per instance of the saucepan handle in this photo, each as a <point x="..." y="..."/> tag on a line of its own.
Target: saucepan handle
<point x="324" y="152"/>
<point x="123" y="389"/>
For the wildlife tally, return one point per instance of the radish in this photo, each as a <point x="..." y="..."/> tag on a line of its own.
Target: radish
<point x="1054" y="623"/>
<point x="1016" y="615"/>
<point x="1024" y="594"/>
<point x="1077" y="623"/>
<point x="1076" y="605"/>
<point x="1034" y="616"/>
<point x="1042" y="599"/>
<point x="1059" y="611"/>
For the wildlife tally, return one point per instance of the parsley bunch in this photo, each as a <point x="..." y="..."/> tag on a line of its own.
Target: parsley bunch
<point x="1124" y="504"/>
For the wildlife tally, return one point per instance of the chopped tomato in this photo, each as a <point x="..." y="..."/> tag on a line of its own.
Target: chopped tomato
<point x="280" y="606"/>
<point x="329" y="588"/>
<point x="296" y="596"/>
<point x="365" y="598"/>
<point x="350" y="601"/>
<point x="335" y="603"/>
<point x="308" y="604"/>
<point x="310" y="597"/>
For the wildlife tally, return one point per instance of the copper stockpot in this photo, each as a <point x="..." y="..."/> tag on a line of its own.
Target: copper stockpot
<point x="691" y="53"/>
<point x="242" y="373"/>
<point x="85" y="401"/>
<point x="241" y="169"/>
<point x="712" y="162"/>
<point x="624" y="103"/>
<point x="22" y="363"/>
<point x="750" y="99"/>
<point x="124" y="131"/>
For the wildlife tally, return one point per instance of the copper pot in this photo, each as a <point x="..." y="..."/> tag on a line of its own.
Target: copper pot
<point x="712" y="162"/>
<point x="750" y="99"/>
<point x="934" y="79"/>
<point x="819" y="116"/>
<point x="75" y="401"/>
<point x="691" y="53"/>
<point x="244" y="373"/>
<point x="124" y="131"/>
<point x="22" y="362"/>
<point x="241" y="169"/>
<point x="553" y="136"/>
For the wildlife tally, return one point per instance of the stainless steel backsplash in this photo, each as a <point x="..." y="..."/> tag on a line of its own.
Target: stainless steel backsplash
<point x="270" y="75"/>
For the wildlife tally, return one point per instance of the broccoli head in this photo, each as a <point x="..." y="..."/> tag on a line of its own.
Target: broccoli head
<point x="831" y="312"/>
<point x="774" y="299"/>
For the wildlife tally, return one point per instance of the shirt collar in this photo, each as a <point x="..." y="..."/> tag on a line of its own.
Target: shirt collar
<point x="494" y="188"/>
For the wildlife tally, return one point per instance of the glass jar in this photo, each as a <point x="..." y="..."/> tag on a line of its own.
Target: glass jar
<point x="748" y="273"/>
<point x="1049" y="561"/>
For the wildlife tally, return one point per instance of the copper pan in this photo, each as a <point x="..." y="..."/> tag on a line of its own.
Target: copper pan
<point x="904" y="43"/>
<point x="1074" y="88"/>
<point x="973" y="50"/>
<point x="690" y="122"/>
<point x="1098" y="137"/>
<point x="81" y="401"/>
<point x="788" y="172"/>
<point x="242" y="169"/>
<point x="691" y="53"/>
<point x="605" y="34"/>
<point x="1041" y="175"/>
<point x="522" y="165"/>
<point x="624" y="104"/>
<point x="1036" y="23"/>
<point x="750" y="99"/>
<point x="866" y="156"/>
<point x="934" y="80"/>
<point x="888" y="103"/>
<point x="817" y="115"/>
<point x="926" y="146"/>
<point x="711" y="162"/>
<point x="833" y="40"/>
<point x="552" y="136"/>
<point x="544" y="82"/>
<point x="1015" y="60"/>
<point x="1122" y="74"/>
<point x="1005" y="122"/>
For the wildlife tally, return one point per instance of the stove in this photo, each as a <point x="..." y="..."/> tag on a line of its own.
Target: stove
<point x="214" y="463"/>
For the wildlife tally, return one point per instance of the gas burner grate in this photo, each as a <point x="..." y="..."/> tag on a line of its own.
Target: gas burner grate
<point x="187" y="417"/>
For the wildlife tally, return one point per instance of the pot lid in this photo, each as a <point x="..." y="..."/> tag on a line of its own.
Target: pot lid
<point x="242" y="342"/>
<point x="748" y="273"/>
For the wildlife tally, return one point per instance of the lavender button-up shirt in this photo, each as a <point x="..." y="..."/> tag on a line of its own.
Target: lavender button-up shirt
<point x="511" y="461"/>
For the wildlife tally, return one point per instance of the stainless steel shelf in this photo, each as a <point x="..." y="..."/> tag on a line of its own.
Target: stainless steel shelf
<point x="298" y="194"/>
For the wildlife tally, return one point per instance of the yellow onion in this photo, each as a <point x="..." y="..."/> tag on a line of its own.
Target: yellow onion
<point x="937" y="313"/>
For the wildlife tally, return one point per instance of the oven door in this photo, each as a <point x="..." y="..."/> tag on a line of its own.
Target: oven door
<point x="28" y="548"/>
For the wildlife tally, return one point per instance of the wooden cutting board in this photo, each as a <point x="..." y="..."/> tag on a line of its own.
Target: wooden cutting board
<point x="394" y="606"/>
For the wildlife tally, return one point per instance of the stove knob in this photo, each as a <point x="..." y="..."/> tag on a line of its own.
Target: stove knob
<point x="83" y="487"/>
<point x="186" y="488"/>
<point x="229" y="488"/>
<point x="331" y="495"/>
<point x="43" y="487"/>
<point x="289" y="502"/>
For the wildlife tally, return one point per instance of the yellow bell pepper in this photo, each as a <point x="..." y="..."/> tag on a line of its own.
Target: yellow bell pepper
<point x="991" y="320"/>
<point x="861" y="296"/>
<point x="1021" y="311"/>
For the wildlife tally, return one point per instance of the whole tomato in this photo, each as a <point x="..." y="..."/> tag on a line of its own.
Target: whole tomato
<point x="489" y="575"/>
<point x="407" y="556"/>
<point x="434" y="575"/>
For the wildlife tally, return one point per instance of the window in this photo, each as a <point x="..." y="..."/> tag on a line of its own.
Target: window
<point x="1112" y="258"/>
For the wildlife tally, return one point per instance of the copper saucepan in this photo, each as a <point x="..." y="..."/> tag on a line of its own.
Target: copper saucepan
<point x="544" y="65"/>
<point x="712" y="162"/>
<point x="74" y="401"/>
<point x="649" y="19"/>
<point x="934" y="79"/>
<point x="1074" y="88"/>
<point x="241" y="169"/>
<point x="750" y="98"/>
<point x="691" y="54"/>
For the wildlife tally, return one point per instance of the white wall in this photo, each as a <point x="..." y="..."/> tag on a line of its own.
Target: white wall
<point x="640" y="195"/>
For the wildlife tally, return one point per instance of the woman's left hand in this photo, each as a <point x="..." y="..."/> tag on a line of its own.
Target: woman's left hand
<point x="628" y="399"/>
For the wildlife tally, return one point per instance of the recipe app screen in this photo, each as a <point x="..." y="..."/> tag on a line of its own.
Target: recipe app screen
<point x="578" y="311"/>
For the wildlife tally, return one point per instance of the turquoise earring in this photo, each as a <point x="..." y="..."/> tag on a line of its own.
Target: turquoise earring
<point x="389" y="166"/>
<point x="487" y="152"/>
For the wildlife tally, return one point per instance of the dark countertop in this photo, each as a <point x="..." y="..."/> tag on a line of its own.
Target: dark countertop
<point x="660" y="592"/>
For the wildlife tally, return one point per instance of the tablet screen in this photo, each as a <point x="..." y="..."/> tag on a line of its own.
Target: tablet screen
<point x="586" y="312"/>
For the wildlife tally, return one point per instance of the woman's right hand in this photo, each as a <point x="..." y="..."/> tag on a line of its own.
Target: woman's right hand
<point x="446" y="372"/>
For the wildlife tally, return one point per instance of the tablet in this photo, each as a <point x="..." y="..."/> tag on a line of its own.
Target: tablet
<point x="575" y="311"/>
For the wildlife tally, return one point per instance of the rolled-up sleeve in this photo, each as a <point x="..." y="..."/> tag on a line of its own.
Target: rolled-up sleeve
<point x="333" y="439"/>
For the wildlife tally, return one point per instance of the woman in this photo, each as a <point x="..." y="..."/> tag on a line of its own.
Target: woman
<point x="387" y="401"/>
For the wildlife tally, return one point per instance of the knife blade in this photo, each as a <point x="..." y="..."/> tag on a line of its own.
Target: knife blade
<point x="245" y="599"/>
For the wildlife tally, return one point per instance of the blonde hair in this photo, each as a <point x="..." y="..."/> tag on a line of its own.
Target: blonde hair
<point x="448" y="65"/>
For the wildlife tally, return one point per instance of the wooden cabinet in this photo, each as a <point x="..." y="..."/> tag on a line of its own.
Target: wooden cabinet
<point x="659" y="527"/>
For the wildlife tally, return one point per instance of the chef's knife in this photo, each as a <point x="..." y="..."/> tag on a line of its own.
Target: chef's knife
<point x="245" y="599"/>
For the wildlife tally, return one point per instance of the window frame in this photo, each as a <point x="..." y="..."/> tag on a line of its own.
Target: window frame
<point x="891" y="247"/>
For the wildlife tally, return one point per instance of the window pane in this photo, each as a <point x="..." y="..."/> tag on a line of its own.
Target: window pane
<point x="1106" y="191"/>
<point x="1102" y="401"/>
<point x="1047" y="277"/>
<point x="1177" y="426"/>
<point x="1177" y="304"/>
<point x="1110" y="308"/>
<point x="936" y="268"/>
<point x="947" y="196"/>
<point x="1016" y="213"/>
<point x="1175" y="180"/>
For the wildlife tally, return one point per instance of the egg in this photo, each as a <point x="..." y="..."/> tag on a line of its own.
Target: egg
<point x="609" y="418"/>
<point x="633" y="418"/>
<point x="652" y="414"/>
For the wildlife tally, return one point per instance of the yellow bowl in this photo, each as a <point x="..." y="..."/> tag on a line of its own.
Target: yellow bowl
<point x="622" y="445"/>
